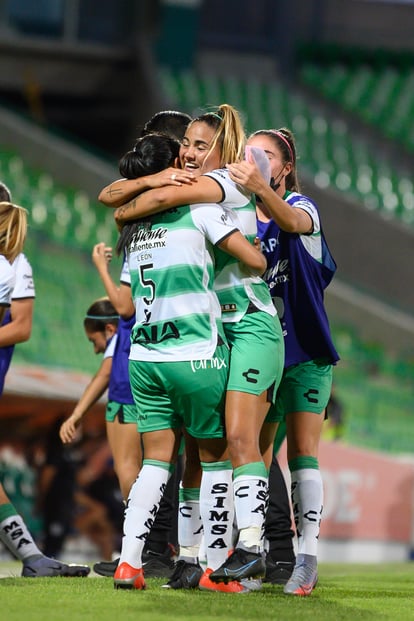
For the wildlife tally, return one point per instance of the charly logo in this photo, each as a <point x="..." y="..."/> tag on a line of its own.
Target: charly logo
<point x="249" y="375"/>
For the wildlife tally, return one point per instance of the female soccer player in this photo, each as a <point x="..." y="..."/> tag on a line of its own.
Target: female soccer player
<point x="300" y="267"/>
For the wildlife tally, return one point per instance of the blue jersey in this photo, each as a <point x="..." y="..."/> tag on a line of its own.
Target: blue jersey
<point x="299" y="268"/>
<point x="6" y="354"/>
<point x="119" y="386"/>
<point x="23" y="289"/>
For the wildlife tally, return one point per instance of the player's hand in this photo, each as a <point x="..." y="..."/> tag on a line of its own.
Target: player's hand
<point x="248" y="175"/>
<point x="101" y="255"/>
<point x="69" y="429"/>
<point x="171" y="176"/>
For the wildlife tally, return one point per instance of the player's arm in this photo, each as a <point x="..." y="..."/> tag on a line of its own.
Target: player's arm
<point x="19" y="329"/>
<point x="238" y="246"/>
<point x="120" y="296"/>
<point x="123" y="190"/>
<point x="203" y="190"/>
<point x="3" y="309"/>
<point x="288" y="218"/>
<point x="93" y="391"/>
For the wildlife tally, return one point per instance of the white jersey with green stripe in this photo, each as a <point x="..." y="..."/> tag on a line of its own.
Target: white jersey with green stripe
<point x="171" y="265"/>
<point x="235" y="289"/>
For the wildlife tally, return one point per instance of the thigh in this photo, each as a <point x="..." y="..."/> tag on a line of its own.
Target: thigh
<point x="304" y="396"/>
<point x="162" y="445"/>
<point x="125" y="442"/>
<point x="245" y="414"/>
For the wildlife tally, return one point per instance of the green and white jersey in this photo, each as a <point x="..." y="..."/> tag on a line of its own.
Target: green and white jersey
<point x="234" y="288"/>
<point x="171" y="265"/>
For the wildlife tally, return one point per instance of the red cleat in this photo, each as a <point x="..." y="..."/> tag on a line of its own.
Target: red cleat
<point x="128" y="577"/>
<point x="206" y="584"/>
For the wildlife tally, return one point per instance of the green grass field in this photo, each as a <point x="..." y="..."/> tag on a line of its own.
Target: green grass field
<point x="377" y="592"/>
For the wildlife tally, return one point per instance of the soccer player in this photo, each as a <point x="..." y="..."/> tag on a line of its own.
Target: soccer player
<point x="13" y="532"/>
<point x="300" y="267"/>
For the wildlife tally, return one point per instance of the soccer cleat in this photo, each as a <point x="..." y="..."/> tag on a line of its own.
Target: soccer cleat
<point x="240" y="564"/>
<point x="106" y="568"/>
<point x="158" y="565"/>
<point x="304" y="577"/>
<point x="45" y="567"/>
<point x="206" y="584"/>
<point x="252" y="584"/>
<point x="185" y="576"/>
<point x="278" y="572"/>
<point x="155" y="565"/>
<point x="128" y="577"/>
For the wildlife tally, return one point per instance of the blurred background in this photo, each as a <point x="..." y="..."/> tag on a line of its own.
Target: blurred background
<point x="78" y="80"/>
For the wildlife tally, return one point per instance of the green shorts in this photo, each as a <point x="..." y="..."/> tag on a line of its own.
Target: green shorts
<point x="257" y="353"/>
<point x="125" y="413"/>
<point x="190" y="394"/>
<point x="305" y="387"/>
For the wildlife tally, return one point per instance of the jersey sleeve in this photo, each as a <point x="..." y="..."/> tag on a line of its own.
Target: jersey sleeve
<point x="7" y="281"/>
<point x="215" y="222"/>
<point x="125" y="277"/>
<point x="110" y="348"/>
<point x="24" y="287"/>
<point x="303" y="202"/>
<point x="233" y="195"/>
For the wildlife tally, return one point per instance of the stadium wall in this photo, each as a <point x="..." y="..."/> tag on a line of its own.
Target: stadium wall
<point x="368" y="512"/>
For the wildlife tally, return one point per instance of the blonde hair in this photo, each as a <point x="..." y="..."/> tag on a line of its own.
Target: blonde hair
<point x="13" y="230"/>
<point x="229" y="133"/>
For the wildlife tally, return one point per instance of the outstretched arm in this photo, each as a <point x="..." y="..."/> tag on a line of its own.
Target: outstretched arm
<point x="123" y="190"/>
<point x="93" y="391"/>
<point x="203" y="190"/>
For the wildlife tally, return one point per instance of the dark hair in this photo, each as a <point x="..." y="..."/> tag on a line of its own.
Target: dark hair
<point x="5" y="194"/>
<point x="285" y="142"/>
<point x="168" y="122"/>
<point x="151" y="154"/>
<point x="99" y="314"/>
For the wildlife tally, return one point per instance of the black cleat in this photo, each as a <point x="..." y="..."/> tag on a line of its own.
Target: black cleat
<point x="240" y="564"/>
<point x="278" y="572"/>
<point x="157" y="565"/>
<point x="106" y="568"/>
<point x="185" y="576"/>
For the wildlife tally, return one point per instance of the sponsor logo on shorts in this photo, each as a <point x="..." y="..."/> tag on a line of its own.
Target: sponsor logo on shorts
<point x="210" y="363"/>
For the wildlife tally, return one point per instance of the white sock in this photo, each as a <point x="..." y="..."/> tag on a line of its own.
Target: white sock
<point x="142" y="507"/>
<point x="250" y="501"/>
<point x="15" y="535"/>
<point x="217" y="511"/>
<point x="307" y="501"/>
<point x="190" y="526"/>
